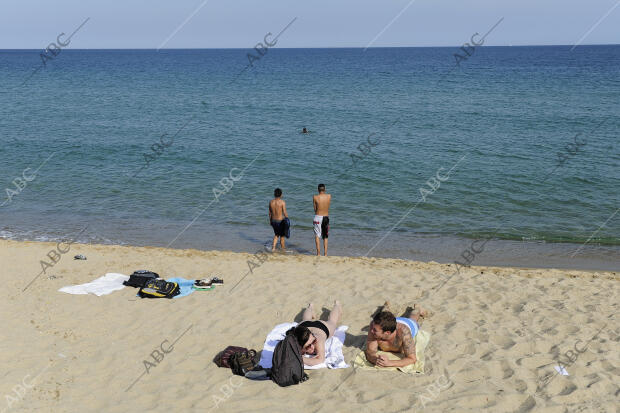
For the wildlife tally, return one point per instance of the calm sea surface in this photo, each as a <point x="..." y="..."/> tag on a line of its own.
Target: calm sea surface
<point x="524" y="139"/>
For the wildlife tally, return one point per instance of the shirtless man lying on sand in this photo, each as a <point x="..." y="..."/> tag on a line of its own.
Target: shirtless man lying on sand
<point x="393" y="334"/>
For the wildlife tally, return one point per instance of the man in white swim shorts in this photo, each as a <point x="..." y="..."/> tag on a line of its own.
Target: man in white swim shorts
<point x="321" y="218"/>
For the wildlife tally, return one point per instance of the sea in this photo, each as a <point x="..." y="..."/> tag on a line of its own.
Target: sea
<point x="503" y="156"/>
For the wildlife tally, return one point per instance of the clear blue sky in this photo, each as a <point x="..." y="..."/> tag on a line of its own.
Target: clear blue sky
<point x="320" y="23"/>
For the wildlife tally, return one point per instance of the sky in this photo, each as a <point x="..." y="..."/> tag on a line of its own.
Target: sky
<point x="154" y="24"/>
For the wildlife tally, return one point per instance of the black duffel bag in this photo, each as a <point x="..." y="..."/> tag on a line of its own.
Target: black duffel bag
<point x="139" y="278"/>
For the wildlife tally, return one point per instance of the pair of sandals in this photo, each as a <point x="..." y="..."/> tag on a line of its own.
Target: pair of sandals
<point x="207" y="283"/>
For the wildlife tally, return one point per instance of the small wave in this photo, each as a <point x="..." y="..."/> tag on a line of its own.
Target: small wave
<point x="87" y="238"/>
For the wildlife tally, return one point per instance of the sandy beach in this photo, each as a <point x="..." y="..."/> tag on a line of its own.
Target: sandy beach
<point x="495" y="334"/>
<point x="457" y="160"/>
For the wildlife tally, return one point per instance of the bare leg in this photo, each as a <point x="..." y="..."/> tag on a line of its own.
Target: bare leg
<point x="334" y="318"/>
<point x="275" y="241"/>
<point x="325" y="246"/>
<point x="308" y="314"/>
<point x="318" y="245"/>
<point x="282" y="244"/>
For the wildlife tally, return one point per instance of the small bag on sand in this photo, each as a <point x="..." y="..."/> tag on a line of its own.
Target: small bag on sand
<point x="242" y="362"/>
<point x="139" y="278"/>
<point x="223" y="358"/>
<point x="159" y="289"/>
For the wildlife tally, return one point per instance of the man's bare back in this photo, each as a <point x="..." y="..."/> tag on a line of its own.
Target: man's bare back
<point x="321" y="204"/>
<point x="277" y="213"/>
<point x="276" y="209"/>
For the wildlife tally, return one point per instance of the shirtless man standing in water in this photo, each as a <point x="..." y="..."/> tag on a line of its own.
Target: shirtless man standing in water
<point x="393" y="334"/>
<point x="277" y="213"/>
<point x="321" y="219"/>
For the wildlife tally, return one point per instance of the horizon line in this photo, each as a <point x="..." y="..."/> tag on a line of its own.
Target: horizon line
<point x="323" y="47"/>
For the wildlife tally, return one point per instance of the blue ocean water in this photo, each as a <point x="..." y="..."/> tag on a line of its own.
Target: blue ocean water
<point x="530" y="132"/>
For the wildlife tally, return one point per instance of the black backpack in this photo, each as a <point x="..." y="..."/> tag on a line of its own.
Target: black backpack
<point x="159" y="289"/>
<point x="288" y="366"/>
<point x="139" y="278"/>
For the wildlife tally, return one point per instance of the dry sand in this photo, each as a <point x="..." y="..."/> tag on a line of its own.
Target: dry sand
<point x="496" y="332"/>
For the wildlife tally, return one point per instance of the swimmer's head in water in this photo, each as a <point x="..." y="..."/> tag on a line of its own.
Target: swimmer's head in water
<point x="321" y="187"/>
<point x="277" y="192"/>
<point x="304" y="130"/>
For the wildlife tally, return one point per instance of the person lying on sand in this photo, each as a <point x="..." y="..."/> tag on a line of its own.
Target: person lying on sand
<point x="312" y="334"/>
<point x="393" y="334"/>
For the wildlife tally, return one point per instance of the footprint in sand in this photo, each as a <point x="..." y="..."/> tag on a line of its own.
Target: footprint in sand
<point x="568" y="389"/>
<point x="494" y="297"/>
<point x="469" y="349"/>
<point x="592" y="379"/>
<point x="518" y="308"/>
<point x="520" y="386"/>
<point x="527" y="405"/>
<point x="483" y="307"/>
<point x="448" y="326"/>
<point x="503" y="342"/>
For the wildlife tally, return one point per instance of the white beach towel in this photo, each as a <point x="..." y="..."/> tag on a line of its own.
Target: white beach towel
<point x="334" y="359"/>
<point x="101" y="286"/>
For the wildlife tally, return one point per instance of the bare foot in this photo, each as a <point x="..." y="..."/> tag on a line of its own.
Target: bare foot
<point x="418" y="314"/>
<point x="311" y="308"/>
<point x="386" y="307"/>
<point x="408" y="312"/>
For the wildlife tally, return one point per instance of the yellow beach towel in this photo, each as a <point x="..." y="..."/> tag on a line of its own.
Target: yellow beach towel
<point x="422" y="340"/>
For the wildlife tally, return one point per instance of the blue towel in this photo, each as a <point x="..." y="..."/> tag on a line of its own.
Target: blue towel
<point x="287" y="227"/>
<point x="184" y="285"/>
